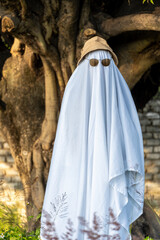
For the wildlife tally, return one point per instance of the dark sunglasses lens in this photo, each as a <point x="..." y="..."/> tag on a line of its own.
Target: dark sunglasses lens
<point x="105" y="62"/>
<point x="93" y="62"/>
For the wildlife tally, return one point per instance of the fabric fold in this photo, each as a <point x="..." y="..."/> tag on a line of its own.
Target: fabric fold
<point x="97" y="162"/>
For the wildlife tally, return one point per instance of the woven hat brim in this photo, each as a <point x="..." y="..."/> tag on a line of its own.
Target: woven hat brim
<point x="96" y="43"/>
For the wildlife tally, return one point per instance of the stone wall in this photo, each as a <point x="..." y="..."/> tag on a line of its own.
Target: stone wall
<point x="9" y="177"/>
<point x="150" y="123"/>
<point x="11" y="190"/>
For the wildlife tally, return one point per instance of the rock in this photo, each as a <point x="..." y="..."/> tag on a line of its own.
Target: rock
<point x="17" y="179"/>
<point x="4" y="152"/>
<point x="4" y="165"/>
<point x="148" y="224"/>
<point x="2" y="173"/>
<point x="157" y="177"/>
<point x="147" y="135"/>
<point x="145" y="121"/>
<point x="157" y="162"/>
<point x="2" y="158"/>
<point x="143" y="128"/>
<point x="10" y="159"/>
<point x="140" y="115"/>
<point x="5" y="145"/>
<point x="157" y="149"/>
<point x="149" y="176"/>
<point x="8" y="179"/>
<point x="152" y="115"/>
<point x="152" y="142"/>
<point x="156" y="135"/>
<point x="156" y="109"/>
<point x="153" y="156"/>
<point x="11" y="172"/>
<point x="148" y="149"/>
<point x="153" y="169"/>
<point x="2" y="139"/>
<point x="153" y="129"/>
<point x="156" y="122"/>
<point x="148" y="163"/>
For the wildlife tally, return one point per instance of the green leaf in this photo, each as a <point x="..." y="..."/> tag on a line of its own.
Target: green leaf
<point x="38" y="216"/>
<point x="148" y="238"/>
<point x="37" y="231"/>
<point x="152" y="1"/>
<point x="30" y="217"/>
<point x="144" y="1"/>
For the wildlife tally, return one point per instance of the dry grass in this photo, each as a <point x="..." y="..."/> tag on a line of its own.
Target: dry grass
<point x="92" y="232"/>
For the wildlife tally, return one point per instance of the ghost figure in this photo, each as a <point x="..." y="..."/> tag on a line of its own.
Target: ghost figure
<point x="95" y="188"/>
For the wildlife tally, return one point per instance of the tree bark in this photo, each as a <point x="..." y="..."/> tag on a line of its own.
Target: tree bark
<point x="134" y="22"/>
<point x="48" y="36"/>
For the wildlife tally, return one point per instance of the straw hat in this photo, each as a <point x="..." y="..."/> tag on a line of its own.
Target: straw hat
<point x="96" y="43"/>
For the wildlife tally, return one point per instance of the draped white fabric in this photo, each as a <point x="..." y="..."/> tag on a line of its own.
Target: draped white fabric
<point x="97" y="162"/>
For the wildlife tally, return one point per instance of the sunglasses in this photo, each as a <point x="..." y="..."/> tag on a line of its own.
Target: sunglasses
<point x="94" y="62"/>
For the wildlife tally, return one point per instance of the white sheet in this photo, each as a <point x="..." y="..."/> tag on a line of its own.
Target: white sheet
<point x="97" y="160"/>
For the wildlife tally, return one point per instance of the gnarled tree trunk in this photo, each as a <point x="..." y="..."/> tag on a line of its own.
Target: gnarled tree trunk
<point x="48" y="36"/>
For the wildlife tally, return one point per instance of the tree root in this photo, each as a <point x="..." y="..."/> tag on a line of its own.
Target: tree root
<point x="54" y="59"/>
<point x="37" y="187"/>
<point x="51" y="107"/>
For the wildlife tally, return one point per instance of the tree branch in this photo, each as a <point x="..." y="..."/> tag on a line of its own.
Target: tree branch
<point x="86" y="27"/>
<point x="115" y="26"/>
<point x="84" y="14"/>
<point x="2" y="12"/>
<point x="9" y="23"/>
<point x="16" y="48"/>
<point x="67" y="25"/>
<point x="28" y="31"/>
<point x="49" y="22"/>
<point x="134" y="63"/>
<point x="51" y="107"/>
<point x="54" y="58"/>
<point x="24" y="8"/>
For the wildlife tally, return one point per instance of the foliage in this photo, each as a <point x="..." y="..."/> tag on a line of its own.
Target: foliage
<point x="5" y="43"/>
<point x="148" y="1"/>
<point x="148" y="238"/>
<point x="13" y="228"/>
<point x="157" y="95"/>
<point x="8" y="216"/>
<point x="11" y="225"/>
<point x="17" y="233"/>
<point x="143" y="1"/>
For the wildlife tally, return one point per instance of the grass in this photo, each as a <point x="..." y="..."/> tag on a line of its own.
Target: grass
<point x="12" y="228"/>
